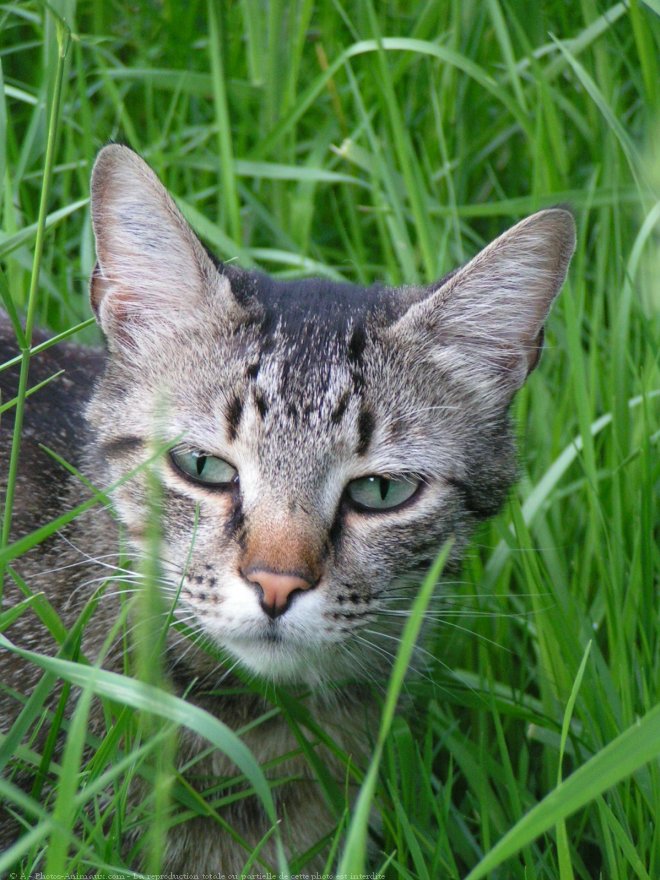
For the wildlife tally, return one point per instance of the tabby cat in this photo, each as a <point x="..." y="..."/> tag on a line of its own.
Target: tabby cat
<point x="322" y="440"/>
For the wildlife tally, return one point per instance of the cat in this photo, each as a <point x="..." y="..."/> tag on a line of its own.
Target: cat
<point x="323" y="441"/>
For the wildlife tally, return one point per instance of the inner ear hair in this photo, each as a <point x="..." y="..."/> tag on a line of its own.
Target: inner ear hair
<point x="490" y="312"/>
<point x="152" y="271"/>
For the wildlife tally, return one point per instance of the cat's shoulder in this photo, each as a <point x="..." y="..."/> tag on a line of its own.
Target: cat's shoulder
<point x="54" y="416"/>
<point x="69" y="370"/>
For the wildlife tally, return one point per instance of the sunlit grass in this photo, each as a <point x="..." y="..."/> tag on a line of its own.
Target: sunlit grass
<point x="389" y="142"/>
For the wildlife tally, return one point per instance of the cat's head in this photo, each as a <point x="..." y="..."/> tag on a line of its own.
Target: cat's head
<point x="326" y="439"/>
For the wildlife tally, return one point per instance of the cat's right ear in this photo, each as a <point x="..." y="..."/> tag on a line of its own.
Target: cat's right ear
<point x="152" y="272"/>
<point x="484" y="323"/>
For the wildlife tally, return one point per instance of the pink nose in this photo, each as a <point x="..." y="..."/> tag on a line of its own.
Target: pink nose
<point x="276" y="589"/>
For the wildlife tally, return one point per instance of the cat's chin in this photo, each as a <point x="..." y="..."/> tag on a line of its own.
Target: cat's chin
<point x="276" y="659"/>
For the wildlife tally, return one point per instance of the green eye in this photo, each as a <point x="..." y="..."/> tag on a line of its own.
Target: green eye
<point x="206" y="469"/>
<point x="381" y="493"/>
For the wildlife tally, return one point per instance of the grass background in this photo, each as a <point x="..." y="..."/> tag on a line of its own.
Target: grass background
<point x="390" y="141"/>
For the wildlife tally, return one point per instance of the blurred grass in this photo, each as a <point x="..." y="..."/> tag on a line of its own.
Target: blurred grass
<point x="391" y="141"/>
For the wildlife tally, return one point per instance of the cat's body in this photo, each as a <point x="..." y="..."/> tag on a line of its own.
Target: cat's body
<point x="67" y="572"/>
<point x="325" y="440"/>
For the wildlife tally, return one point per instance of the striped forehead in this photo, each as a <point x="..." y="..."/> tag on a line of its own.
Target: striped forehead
<point x="299" y="381"/>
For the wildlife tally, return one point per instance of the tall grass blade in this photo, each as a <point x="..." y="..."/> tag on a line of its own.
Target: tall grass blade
<point x="150" y="699"/>
<point x="354" y="855"/>
<point x="623" y="756"/>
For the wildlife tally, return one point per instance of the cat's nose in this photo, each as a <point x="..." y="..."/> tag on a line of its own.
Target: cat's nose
<point x="276" y="588"/>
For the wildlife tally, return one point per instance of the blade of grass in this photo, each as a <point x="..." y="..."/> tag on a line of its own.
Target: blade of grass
<point x="63" y="37"/>
<point x="227" y="194"/>
<point x="150" y="699"/>
<point x="54" y="340"/>
<point x="10" y="243"/>
<point x="548" y="482"/>
<point x="64" y="809"/>
<point x="3" y="133"/>
<point x="10" y="308"/>
<point x="9" y="404"/>
<point x="635" y="747"/>
<point x="355" y="849"/>
<point x="565" y="868"/>
<point x="390" y="44"/>
<point x="629" y="149"/>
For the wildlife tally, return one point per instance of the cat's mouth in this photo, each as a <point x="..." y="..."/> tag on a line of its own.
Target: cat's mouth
<point x="271" y="653"/>
<point x="271" y="634"/>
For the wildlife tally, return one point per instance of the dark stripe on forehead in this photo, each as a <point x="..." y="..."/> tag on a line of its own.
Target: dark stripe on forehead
<point x="284" y="376"/>
<point x="260" y="402"/>
<point x="356" y="345"/>
<point x="233" y="415"/>
<point x="267" y="331"/>
<point x="366" y="427"/>
<point x="340" y="409"/>
<point x="253" y="370"/>
<point x="357" y="377"/>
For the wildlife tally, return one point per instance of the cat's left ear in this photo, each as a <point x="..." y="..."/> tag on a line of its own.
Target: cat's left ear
<point x="152" y="272"/>
<point x="486" y="321"/>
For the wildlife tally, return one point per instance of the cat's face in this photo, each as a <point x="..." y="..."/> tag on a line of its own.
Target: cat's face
<point x="325" y="440"/>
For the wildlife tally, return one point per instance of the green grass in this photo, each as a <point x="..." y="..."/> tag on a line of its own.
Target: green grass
<point x="390" y="141"/>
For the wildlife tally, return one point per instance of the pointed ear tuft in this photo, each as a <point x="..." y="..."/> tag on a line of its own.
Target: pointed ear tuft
<point x="152" y="271"/>
<point x="489" y="315"/>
